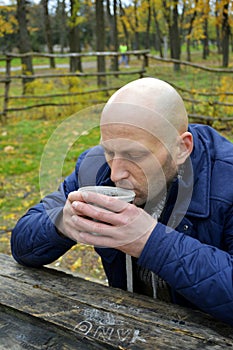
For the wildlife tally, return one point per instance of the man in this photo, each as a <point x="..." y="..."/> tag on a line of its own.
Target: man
<point x="175" y="242"/>
<point x="124" y="58"/>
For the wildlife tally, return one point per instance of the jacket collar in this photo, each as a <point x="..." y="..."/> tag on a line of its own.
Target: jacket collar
<point x="201" y="166"/>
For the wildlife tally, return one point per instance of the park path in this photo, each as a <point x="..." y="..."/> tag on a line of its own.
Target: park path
<point x="47" y="66"/>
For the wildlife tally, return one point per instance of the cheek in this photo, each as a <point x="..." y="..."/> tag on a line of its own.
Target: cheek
<point x="139" y="173"/>
<point x="151" y="169"/>
<point x="153" y="176"/>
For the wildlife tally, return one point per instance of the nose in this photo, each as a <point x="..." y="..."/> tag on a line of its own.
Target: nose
<point x="118" y="169"/>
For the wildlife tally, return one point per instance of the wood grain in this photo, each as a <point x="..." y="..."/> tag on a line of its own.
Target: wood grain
<point x="49" y="309"/>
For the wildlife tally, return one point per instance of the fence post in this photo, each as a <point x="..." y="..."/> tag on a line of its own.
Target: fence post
<point x="101" y="68"/>
<point x="7" y="87"/>
<point x="146" y="60"/>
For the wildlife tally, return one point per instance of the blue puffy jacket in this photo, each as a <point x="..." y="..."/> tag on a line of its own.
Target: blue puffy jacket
<point x="194" y="255"/>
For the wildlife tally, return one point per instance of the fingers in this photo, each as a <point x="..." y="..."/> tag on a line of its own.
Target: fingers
<point x="96" y="240"/>
<point x="75" y="196"/>
<point x="111" y="203"/>
<point x="68" y="225"/>
<point x="78" y="217"/>
<point x="105" y="221"/>
<point x="99" y="213"/>
<point x="99" y="207"/>
<point x="84" y="224"/>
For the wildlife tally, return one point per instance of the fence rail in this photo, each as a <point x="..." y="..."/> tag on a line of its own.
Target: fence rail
<point x="8" y="78"/>
<point x="75" y="54"/>
<point x="195" y="95"/>
<point x="213" y="99"/>
<point x="190" y="64"/>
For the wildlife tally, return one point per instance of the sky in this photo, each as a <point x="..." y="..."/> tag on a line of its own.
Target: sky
<point x="10" y="2"/>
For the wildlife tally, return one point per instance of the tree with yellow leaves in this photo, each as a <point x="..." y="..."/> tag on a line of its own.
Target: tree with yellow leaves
<point x="8" y="24"/>
<point x="196" y="25"/>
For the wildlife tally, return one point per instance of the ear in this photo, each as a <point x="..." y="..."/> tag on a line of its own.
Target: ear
<point x="185" y="147"/>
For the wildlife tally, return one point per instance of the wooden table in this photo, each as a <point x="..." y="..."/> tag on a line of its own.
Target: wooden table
<point x="49" y="309"/>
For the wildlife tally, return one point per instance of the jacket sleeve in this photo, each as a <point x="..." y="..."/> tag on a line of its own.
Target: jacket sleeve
<point x="201" y="273"/>
<point x="35" y="240"/>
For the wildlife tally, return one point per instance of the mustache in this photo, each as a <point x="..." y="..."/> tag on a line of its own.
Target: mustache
<point x="124" y="184"/>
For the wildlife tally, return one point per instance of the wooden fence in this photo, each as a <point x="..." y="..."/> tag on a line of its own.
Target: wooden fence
<point x="211" y="98"/>
<point x="216" y="100"/>
<point x="7" y="78"/>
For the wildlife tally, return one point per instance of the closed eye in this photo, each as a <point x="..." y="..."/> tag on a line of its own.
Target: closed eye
<point x="136" y="156"/>
<point x="109" y="154"/>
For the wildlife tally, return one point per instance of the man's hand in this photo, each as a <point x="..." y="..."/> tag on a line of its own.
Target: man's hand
<point x="105" y="221"/>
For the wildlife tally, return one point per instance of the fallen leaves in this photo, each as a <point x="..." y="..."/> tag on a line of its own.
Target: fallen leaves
<point x="22" y="143"/>
<point x="8" y="149"/>
<point x="77" y="264"/>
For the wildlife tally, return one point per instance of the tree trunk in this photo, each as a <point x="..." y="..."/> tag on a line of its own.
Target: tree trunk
<point x="148" y="23"/>
<point x="115" y="36"/>
<point x="217" y="26"/>
<point x="190" y="31"/>
<point x="171" y="16"/>
<point x="218" y="41"/>
<point x="182" y="20"/>
<point x="175" y="36"/>
<point x="24" y="43"/>
<point x="113" y="33"/>
<point x="122" y="13"/>
<point x="136" y="32"/>
<point x="63" y="20"/>
<point x="225" y="36"/>
<point x="159" y="35"/>
<point x="205" y="40"/>
<point x="100" y="41"/>
<point x="48" y="33"/>
<point x="188" y="52"/>
<point x="74" y="40"/>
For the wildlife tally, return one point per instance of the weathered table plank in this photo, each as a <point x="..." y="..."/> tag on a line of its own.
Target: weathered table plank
<point x="48" y="309"/>
<point x="19" y="331"/>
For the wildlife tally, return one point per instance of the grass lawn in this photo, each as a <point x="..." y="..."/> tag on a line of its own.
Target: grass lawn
<point x="22" y="145"/>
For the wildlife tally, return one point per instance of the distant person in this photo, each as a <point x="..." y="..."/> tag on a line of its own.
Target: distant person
<point x="124" y="58"/>
<point x="175" y="242"/>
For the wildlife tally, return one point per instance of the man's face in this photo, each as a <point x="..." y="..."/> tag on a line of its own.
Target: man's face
<point x="138" y="161"/>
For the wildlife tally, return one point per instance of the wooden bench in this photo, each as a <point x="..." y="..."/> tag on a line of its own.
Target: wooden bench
<point x="49" y="309"/>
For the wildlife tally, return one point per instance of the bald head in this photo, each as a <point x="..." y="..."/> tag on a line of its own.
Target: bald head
<point x="147" y="103"/>
<point x="144" y="135"/>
